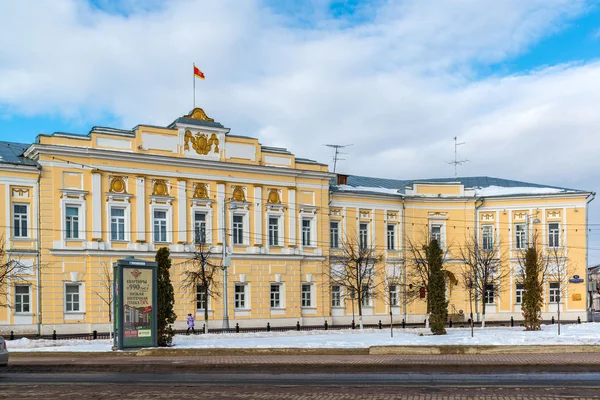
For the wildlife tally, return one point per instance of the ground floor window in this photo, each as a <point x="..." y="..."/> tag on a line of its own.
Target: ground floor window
<point x="336" y="296"/>
<point x="306" y="295"/>
<point x="240" y="296"/>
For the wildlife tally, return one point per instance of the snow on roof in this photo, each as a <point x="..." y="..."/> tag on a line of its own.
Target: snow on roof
<point x="348" y="188"/>
<point x="505" y="191"/>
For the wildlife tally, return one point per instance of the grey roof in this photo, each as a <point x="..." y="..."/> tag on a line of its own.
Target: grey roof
<point x="468" y="182"/>
<point x="191" y="121"/>
<point x="12" y="153"/>
<point x="271" y="149"/>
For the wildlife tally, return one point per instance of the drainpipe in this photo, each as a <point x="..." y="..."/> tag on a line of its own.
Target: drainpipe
<point x="591" y="197"/>
<point x="476" y="223"/>
<point x="39" y="256"/>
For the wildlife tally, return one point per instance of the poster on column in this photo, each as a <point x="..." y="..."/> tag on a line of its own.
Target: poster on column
<point x="137" y="307"/>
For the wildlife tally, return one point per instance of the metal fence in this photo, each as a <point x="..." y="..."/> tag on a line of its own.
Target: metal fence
<point x="298" y="327"/>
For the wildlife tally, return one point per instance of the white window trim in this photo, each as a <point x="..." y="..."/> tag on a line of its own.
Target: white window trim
<point x="246" y="287"/>
<point x="341" y="292"/>
<point x="281" y="296"/>
<point x="281" y="228"/>
<point x="559" y="235"/>
<point x="81" y="298"/>
<point x="442" y="225"/>
<point x="169" y="210"/>
<point x="309" y="213"/>
<point x="370" y="298"/>
<point x="395" y="243"/>
<point x="12" y="231"/>
<point x="312" y="296"/>
<point x="80" y="205"/>
<point x="368" y="223"/>
<point x="339" y="233"/>
<point x="30" y="312"/>
<point x="208" y="303"/>
<point x="198" y="207"/>
<point x="246" y="229"/>
<point x="483" y="229"/>
<point x="514" y="236"/>
<point x="110" y="204"/>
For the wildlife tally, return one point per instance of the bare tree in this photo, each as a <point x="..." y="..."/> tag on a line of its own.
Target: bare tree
<point x="105" y="291"/>
<point x="200" y="278"/>
<point x="393" y="287"/>
<point x="482" y="271"/>
<point x="559" y="270"/>
<point x="418" y="271"/>
<point x="11" y="271"/>
<point x="353" y="269"/>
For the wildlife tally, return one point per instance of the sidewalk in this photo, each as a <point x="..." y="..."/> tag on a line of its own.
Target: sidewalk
<point x="463" y="363"/>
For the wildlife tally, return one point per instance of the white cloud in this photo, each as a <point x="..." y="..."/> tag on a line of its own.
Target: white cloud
<point x="398" y="85"/>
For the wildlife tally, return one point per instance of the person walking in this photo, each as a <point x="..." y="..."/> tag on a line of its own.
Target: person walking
<point x="190" y="322"/>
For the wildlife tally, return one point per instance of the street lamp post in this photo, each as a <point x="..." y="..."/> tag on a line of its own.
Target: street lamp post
<point x="535" y="221"/>
<point x="226" y="262"/>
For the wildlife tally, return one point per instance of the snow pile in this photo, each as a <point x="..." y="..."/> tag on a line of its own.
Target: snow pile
<point x="583" y="334"/>
<point x="504" y="191"/>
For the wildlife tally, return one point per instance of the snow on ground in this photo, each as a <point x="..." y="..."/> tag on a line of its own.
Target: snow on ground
<point x="588" y="333"/>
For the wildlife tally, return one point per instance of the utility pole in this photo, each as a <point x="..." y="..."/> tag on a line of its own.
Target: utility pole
<point x="337" y="153"/>
<point x="456" y="161"/>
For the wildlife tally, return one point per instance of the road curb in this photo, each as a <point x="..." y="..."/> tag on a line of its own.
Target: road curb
<point x="373" y="350"/>
<point x="443" y="350"/>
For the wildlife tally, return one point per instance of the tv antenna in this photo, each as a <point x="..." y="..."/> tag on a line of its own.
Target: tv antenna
<point x="456" y="161"/>
<point x="337" y="153"/>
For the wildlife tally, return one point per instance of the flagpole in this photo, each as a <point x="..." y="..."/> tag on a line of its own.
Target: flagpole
<point x="194" y="78"/>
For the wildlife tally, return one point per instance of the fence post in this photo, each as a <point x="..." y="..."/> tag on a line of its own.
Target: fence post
<point x="578" y="320"/>
<point x="203" y="328"/>
<point x="380" y="326"/>
<point x="450" y="324"/>
<point x="12" y="335"/>
<point x="297" y="325"/>
<point x="54" y="334"/>
<point x="403" y="323"/>
<point x="512" y="322"/>
<point x="553" y="320"/>
<point x="237" y="327"/>
<point x="325" y="324"/>
<point x="94" y="335"/>
<point x="268" y="327"/>
<point x="425" y="322"/>
<point x="353" y="325"/>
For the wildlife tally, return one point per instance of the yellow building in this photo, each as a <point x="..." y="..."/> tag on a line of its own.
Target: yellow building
<point x="74" y="204"/>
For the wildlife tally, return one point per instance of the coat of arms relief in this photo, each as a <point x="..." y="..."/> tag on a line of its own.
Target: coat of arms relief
<point x="201" y="142"/>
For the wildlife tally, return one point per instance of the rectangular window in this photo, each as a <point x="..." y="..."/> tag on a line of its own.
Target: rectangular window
<point x="20" y="220"/>
<point x="519" y="292"/>
<point x="160" y="226"/>
<point x="487" y="237"/>
<point x="553" y="234"/>
<point x="201" y="297"/>
<point x="554" y="292"/>
<point x="366" y="296"/>
<point x="72" y="222"/>
<point x="334" y="234"/>
<point x="363" y="235"/>
<point x="436" y="234"/>
<point x="117" y="223"/>
<point x="199" y="228"/>
<point x="393" y="295"/>
<point x="275" y="295"/>
<point x="240" y="295"/>
<point x="273" y="231"/>
<point x="22" y="299"/>
<point x="520" y="236"/>
<point x="306" y="295"/>
<point x="72" y="298"/>
<point x="238" y="229"/>
<point x="489" y="297"/>
<point x="306" y="232"/>
<point x="391" y="237"/>
<point x="336" y="296"/>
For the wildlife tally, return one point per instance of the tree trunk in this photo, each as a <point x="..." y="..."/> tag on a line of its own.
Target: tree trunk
<point x="206" y="316"/>
<point x="483" y="312"/>
<point x="391" y="323"/>
<point x="558" y="310"/>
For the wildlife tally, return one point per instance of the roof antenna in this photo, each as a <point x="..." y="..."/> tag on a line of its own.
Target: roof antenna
<point x="336" y="155"/>
<point x="456" y="162"/>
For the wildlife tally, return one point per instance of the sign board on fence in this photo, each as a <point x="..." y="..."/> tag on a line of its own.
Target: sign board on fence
<point x="135" y="303"/>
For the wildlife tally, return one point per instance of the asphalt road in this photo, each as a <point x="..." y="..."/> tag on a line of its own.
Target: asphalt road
<point x="298" y="386"/>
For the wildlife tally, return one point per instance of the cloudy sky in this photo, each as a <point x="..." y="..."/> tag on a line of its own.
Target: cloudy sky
<point x="518" y="81"/>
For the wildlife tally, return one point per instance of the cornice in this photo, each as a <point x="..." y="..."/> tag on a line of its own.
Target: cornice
<point x="36" y="149"/>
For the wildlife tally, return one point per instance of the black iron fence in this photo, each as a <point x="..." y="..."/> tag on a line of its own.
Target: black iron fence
<point x="298" y="327"/>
